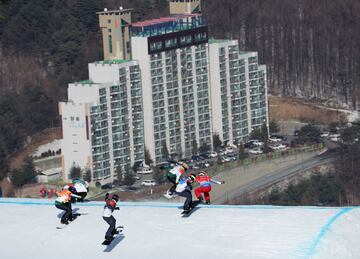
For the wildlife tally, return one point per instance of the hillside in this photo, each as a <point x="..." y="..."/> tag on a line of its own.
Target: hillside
<point x="156" y="230"/>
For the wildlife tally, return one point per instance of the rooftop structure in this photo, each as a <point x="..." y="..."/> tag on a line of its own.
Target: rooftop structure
<point x="166" y="25"/>
<point x="185" y="6"/>
<point x="116" y="33"/>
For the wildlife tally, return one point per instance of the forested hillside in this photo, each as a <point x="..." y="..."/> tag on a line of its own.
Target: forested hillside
<point x="311" y="48"/>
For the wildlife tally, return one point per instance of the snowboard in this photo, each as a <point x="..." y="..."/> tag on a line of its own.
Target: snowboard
<point x="108" y="242"/>
<point x="62" y="226"/>
<point x="193" y="207"/>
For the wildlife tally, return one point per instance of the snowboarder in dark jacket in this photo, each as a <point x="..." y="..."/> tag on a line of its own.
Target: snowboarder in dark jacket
<point x="109" y="208"/>
<point x="184" y="188"/>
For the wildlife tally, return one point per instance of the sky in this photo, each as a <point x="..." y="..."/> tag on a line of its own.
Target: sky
<point x="157" y="230"/>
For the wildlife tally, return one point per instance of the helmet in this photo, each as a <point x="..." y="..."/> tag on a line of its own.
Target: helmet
<point x="185" y="165"/>
<point x="72" y="189"/>
<point x="115" y="197"/>
<point x="202" y="173"/>
<point x="192" y="177"/>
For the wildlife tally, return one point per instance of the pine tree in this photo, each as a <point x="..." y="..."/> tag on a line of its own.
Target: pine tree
<point x="217" y="143"/>
<point x="75" y="172"/>
<point x="129" y="178"/>
<point x="119" y="174"/>
<point x="194" y="146"/>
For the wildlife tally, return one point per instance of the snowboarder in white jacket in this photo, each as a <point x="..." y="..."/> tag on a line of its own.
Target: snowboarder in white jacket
<point x="109" y="208"/>
<point x="183" y="189"/>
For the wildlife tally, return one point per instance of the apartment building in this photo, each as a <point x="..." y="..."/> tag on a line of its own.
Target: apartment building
<point x="173" y="58"/>
<point x="238" y="91"/>
<point x="102" y="121"/>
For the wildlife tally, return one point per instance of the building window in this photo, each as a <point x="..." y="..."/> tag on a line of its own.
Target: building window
<point x="110" y="44"/>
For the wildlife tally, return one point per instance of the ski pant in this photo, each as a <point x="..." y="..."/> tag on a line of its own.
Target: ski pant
<point x="172" y="179"/>
<point x="111" y="230"/>
<point x="203" y="190"/>
<point x="68" y="211"/>
<point x="186" y="194"/>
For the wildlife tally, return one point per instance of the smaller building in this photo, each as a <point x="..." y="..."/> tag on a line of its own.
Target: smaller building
<point x="49" y="175"/>
<point x="102" y="121"/>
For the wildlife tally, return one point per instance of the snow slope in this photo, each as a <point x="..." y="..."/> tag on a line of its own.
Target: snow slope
<point x="157" y="230"/>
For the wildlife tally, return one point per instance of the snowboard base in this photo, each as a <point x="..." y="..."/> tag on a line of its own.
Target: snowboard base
<point x="108" y="241"/>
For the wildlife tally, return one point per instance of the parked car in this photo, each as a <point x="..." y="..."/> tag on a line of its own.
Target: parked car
<point x="232" y="157"/>
<point x="278" y="147"/>
<point x="249" y="145"/>
<point x="225" y="159"/>
<point x="256" y="151"/>
<point x="148" y="183"/>
<point x="144" y="170"/>
<point x="325" y="134"/>
<point x="334" y="137"/>
<point x="257" y="142"/>
<point x="213" y="154"/>
<point x="196" y="158"/>
<point x="274" y="138"/>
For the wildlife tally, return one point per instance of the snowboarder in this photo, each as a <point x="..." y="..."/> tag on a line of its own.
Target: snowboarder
<point x="184" y="188"/>
<point x="109" y="208"/>
<point x="205" y="186"/>
<point x="63" y="202"/>
<point x="174" y="176"/>
<point x="81" y="187"/>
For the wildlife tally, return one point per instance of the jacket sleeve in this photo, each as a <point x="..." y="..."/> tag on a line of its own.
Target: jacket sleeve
<point x="76" y="196"/>
<point x="215" y="181"/>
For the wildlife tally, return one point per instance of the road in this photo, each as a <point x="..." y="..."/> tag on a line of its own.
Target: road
<point x="234" y="191"/>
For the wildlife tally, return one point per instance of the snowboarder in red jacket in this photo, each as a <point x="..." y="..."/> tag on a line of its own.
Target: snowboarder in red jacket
<point x="109" y="208"/>
<point x="205" y="186"/>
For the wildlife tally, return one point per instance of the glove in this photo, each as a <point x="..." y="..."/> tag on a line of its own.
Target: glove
<point x="116" y="208"/>
<point x="222" y="182"/>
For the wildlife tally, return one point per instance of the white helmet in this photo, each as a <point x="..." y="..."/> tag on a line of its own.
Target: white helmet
<point x="202" y="173"/>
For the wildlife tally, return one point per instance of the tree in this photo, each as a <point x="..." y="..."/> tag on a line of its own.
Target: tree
<point x="164" y="150"/>
<point x="129" y="178"/>
<point x="194" y="147"/>
<point x="28" y="169"/>
<point x="87" y="175"/>
<point x="333" y="127"/>
<point x="3" y="159"/>
<point x="265" y="137"/>
<point x="18" y="178"/>
<point x="119" y="174"/>
<point x="204" y="148"/>
<point x="148" y="159"/>
<point x="242" y="153"/>
<point x="159" y="176"/>
<point x="217" y="143"/>
<point x="255" y="134"/>
<point x="264" y="133"/>
<point x="75" y="172"/>
<point x="309" y="133"/>
<point x="274" y="126"/>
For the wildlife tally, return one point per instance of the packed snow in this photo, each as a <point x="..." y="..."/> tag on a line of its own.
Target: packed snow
<point x="157" y="230"/>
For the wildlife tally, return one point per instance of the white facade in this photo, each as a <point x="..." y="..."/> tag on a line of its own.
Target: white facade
<point x="239" y="91"/>
<point x="107" y="114"/>
<point x="175" y="85"/>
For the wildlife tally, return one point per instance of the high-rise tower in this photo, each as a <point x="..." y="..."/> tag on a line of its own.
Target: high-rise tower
<point x="185" y="6"/>
<point x="116" y="33"/>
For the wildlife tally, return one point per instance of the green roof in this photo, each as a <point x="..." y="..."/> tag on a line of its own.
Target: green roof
<point x="85" y="82"/>
<point x="212" y="40"/>
<point x="112" y="61"/>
